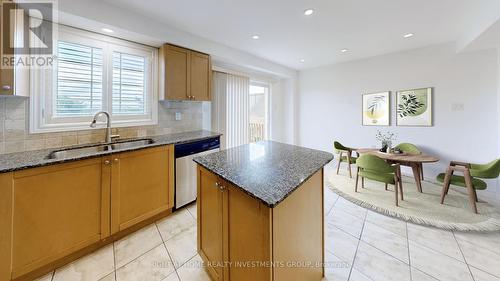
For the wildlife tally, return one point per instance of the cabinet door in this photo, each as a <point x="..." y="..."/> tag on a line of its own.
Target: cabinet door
<point x="57" y="210"/>
<point x="176" y="73"/>
<point x="210" y="222"/>
<point x="6" y="75"/>
<point x="249" y="220"/>
<point x="141" y="185"/>
<point x="201" y="72"/>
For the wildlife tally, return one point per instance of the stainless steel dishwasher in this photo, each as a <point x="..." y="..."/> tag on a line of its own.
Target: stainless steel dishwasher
<point x="185" y="168"/>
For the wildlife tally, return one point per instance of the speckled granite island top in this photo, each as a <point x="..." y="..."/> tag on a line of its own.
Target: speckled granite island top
<point x="31" y="159"/>
<point x="269" y="171"/>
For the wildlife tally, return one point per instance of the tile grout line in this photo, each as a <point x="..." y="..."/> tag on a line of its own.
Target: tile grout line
<point x="461" y="252"/>
<point x="114" y="259"/>
<point x="357" y="248"/>
<point x="408" y="247"/>
<point x="168" y="253"/>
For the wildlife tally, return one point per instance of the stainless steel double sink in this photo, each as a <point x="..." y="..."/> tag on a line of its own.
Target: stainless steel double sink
<point x="80" y="151"/>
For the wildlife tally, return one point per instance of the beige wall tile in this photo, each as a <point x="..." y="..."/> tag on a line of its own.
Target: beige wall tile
<point x="15" y="136"/>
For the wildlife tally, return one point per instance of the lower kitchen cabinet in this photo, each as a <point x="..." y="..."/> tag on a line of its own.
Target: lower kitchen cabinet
<point x="57" y="210"/>
<point x="51" y="215"/>
<point x="141" y="185"/>
<point x="242" y="239"/>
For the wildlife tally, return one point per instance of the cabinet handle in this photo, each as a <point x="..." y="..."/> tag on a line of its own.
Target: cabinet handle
<point x="220" y="186"/>
<point x="116" y="160"/>
<point x="107" y="162"/>
<point x="6" y="88"/>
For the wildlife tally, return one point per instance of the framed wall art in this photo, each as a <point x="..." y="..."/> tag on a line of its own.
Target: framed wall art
<point x="414" y="107"/>
<point x="376" y="109"/>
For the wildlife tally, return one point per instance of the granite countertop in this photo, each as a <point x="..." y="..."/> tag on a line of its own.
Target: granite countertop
<point x="31" y="159"/>
<point x="269" y="171"/>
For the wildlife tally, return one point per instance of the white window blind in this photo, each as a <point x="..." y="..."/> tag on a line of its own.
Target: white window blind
<point x="94" y="72"/>
<point x="79" y="80"/>
<point x="129" y="85"/>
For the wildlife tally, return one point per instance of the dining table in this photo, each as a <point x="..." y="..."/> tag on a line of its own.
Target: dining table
<point x="414" y="161"/>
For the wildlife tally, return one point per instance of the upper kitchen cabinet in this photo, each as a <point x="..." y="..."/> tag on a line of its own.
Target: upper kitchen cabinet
<point x="186" y="74"/>
<point x="6" y="75"/>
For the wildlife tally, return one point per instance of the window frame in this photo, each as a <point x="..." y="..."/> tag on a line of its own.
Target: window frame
<point x="267" y="94"/>
<point x="42" y="94"/>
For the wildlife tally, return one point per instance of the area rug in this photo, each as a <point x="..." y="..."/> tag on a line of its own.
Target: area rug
<point x="419" y="208"/>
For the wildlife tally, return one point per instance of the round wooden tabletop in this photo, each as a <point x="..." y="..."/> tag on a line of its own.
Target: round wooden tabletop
<point x="405" y="157"/>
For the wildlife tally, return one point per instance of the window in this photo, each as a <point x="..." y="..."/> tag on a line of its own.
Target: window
<point x="92" y="73"/>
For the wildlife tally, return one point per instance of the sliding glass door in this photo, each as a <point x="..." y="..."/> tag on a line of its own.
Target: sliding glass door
<point x="258" y="112"/>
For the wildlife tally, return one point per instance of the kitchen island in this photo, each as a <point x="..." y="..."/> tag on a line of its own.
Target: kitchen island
<point x="260" y="212"/>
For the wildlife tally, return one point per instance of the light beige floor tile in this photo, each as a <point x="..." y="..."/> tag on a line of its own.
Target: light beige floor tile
<point x="154" y="265"/>
<point x="417" y="275"/>
<point x="391" y="224"/>
<point x="386" y="241"/>
<point x="193" y="270"/>
<point x="182" y="247"/>
<point x="176" y="223"/>
<point x="480" y="257"/>
<point x="490" y="241"/>
<point x="437" y="239"/>
<point x="109" y="277"/>
<point x="378" y="265"/>
<point x="345" y="221"/>
<point x="136" y="244"/>
<point x="340" y="243"/>
<point x="329" y="200"/>
<point x="172" y="277"/>
<point x="437" y="265"/>
<point x="358" y="276"/>
<point x="91" y="267"/>
<point x="46" y="277"/>
<point x="336" y="268"/>
<point x="350" y="208"/>
<point x="480" y="275"/>
<point x="192" y="210"/>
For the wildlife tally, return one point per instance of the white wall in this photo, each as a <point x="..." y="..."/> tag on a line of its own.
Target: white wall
<point x="282" y="111"/>
<point x="329" y="102"/>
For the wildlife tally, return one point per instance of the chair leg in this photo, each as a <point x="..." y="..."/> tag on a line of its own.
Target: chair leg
<point x="422" y="170"/>
<point x="396" y="191"/>
<point x="340" y="161"/>
<point x="470" y="187"/>
<point x="386" y="185"/>
<point x="475" y="195"/>
<point x="362" y="182"/>
<point x="357" y="179"/>
<point x="400" y="185"/>
<point x="446" y="185"/>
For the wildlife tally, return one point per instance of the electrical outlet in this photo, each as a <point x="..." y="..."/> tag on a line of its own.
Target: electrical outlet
<point x="457" y="107"/>
<point x="178" y="116"/>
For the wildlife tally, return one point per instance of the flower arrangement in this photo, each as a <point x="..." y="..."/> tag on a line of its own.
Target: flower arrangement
<point x="386" y="138"/>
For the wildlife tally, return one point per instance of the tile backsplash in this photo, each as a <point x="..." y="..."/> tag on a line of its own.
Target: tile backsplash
<point x="15" y="136"/>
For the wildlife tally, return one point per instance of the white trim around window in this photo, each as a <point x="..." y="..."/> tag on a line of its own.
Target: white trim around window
<point x="138" y="76"/>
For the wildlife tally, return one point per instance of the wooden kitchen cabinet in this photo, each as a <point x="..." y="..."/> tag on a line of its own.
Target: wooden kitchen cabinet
<point x="210" y="204"/>
<point x="242" y="239"/>
<point x="57" y="210"/>
<point x="52" y="215"/>
<point x="141" y="185"/>
<point x="186" y="74"/>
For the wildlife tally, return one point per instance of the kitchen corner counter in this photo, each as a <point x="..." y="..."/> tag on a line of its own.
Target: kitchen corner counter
<point x="269" y="171"/>
<point x="38" y="158"/>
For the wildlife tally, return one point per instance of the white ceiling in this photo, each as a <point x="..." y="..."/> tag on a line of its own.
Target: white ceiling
<point x="366" y="27"/>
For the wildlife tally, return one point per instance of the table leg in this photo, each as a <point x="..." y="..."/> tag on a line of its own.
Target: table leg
<point x="417" y="176"/>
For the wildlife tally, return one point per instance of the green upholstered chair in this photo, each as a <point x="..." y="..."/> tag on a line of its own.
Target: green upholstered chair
<point x="472" y="173"/>
<point x="412" y="149"/>
<point x="345" y="155"/>
<point x="375" y="168"/>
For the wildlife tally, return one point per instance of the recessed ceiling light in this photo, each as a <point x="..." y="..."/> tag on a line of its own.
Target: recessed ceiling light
<point x="408" y="35"/>
<point x="308" y="12"/>
<point x="344" y="50"/>
<point x="302" y="60"/>
<point x="255" y="37"/>
<point x="107" y="30"/>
